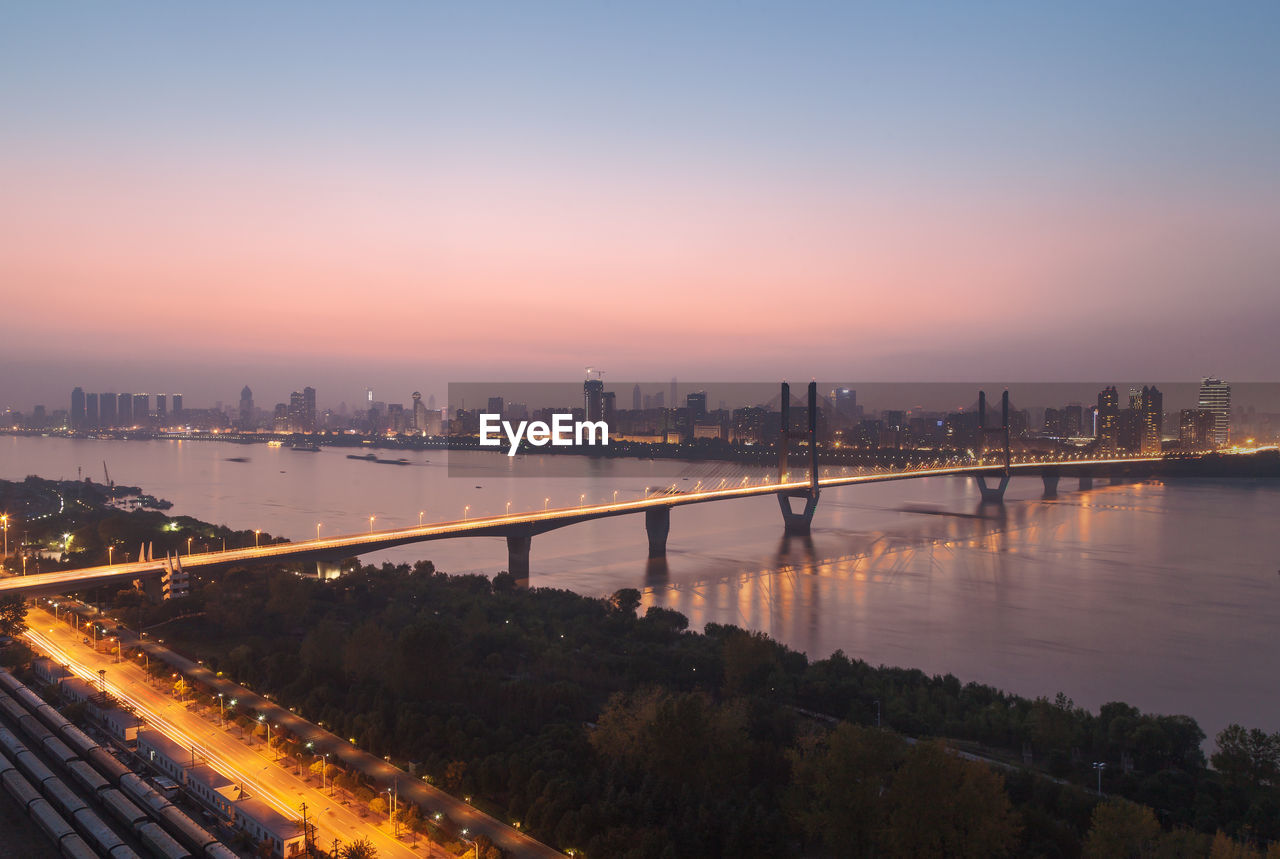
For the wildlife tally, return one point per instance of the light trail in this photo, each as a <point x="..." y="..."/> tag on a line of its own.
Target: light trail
<point x="160" y="723"/>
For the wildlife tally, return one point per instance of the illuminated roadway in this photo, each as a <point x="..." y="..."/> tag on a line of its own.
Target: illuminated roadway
<point x="222" y="749"/>
<point x="514" y="524"/>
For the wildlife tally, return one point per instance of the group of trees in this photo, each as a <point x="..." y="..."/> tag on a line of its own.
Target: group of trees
<point x="623" y="734"/>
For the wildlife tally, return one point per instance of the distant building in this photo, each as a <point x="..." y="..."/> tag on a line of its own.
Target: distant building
<point x="162" y="409"/>
<point x="177" y="406"/>
<point x="302" y="410"/>
<point x="593" y="399"/>
<point x="697" y="405"/>
<point x="636" y="399"/>
<point x="1151" y="420"/>
<point x="1109" y="419"/>
<point x="77" y="409"/>
<point x="107" y="411"/>
<point x="141" y="409"/>
<point x="419" y="414"/>
<point x="91" y="418"/>
<point x="1215" y="397"/>
<point x="246" y="408"/>
<point x="124" y="410"/>
<point x="495" y="406"/>
<point x="1195" y="429"/>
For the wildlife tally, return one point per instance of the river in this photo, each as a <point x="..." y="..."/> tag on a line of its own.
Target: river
<point x="1163" y="595"/>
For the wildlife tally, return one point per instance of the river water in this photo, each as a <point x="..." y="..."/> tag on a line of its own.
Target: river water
<point x="1162" y="595"/>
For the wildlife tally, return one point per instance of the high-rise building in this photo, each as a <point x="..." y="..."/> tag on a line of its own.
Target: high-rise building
<point x="162" y="409"/>
<point x="1151" y="411"/>
<point x="846" y="403"/>
<point x="107" y="411"/>
<point x="246" y="408"/>
<point x="495" y="406"/>
<point x="124" y="410"/>
<point x="1195" y="429"/>
<point x="1073" y="420"/>
<point x="593" y="399"/>
<point x="609" y="409"/>
<point x="141" y="409"/>
<point x="673" y="399"/>
<point x="637" y="399"/>
<point x="1109" y="419"/>
<point x="697" y="405"/>
<point x="91" y="411"/>
<point x="302" y="410"/>
<point x="177" y="406"/>
<point x="77" y="409"/>
<point x="419" y="414"/>
<point x="1215" y="396"/>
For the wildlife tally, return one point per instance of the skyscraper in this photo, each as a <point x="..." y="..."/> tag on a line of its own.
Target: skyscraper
<point x="1151" y="411"/>
<point x="162" y="409"/>
<point x="77" y="409"/>
<point x="697" y="405"/>
<point x="141" y="408"/>
<point x="177" y="406"/>
<point x="91" y="411"/>
<point x="107" y="411"/>
<point x="636" y="398"/>
<point x="1109" y="419"/>
<point x="246" y="408"/>
<point x="593" y="399"/>
<point x="1215" y="397"/>
<point x="124" y="410"/>
<point x="419" y="414"/>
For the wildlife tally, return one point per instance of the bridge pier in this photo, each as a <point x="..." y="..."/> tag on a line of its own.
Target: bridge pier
<point x="657" y="524"/>
<point x="1050" y="483"/>
<point x="798" y="524"/>
<point x="518" y="556"/>
<point x="150" y="586"/>
<point x="1086" y="481"/>
<point x="326" y="570"/>
<point x="992" y="494"/>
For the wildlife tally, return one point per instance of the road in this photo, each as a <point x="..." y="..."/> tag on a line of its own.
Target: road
<point x="428" y="798"/>
<point x="238" y="759"/>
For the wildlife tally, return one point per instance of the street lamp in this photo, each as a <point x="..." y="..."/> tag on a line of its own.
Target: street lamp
<point x="545" y="502"/>
<point x="4" y="519"/>
<point x="111" y="551"/>
<point x="222" y="715"/>
<point x="318" y="524"/>
<point x="66" y="544"/>
<point x="508" y="508"/>
<point x="1099" y="766"/>
<point x="582" y="499"/>
<point x="371" y="518"/>
<point x="189" y="539"/>
<point x="256" y="533"/>
<point x="463" y="834"/>
<point x="465" y="510"/>
<point x="421" y="513"/>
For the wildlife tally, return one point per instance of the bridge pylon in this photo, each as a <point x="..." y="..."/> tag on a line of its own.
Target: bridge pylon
<point x="798" y="522"/>
<point x="993" y="494"/>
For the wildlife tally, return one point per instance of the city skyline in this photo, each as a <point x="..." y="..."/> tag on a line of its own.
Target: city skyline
<point x="941" y="195"/>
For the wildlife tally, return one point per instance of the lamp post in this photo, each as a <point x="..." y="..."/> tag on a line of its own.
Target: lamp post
<point x="66" y="544"/>
<point x="371" y="518"/>
<point x="318" y="524"/>
<point x="256" y="534"/>
<point x="1099" y="766"/>
<point x="4" y="520"/>
<point x="545" y="502"/>
<point x="463" y="835"/>
<point x="189" y="539"/>
<point x="222" y="715"/>
<point x="508" y="513"/>
<point x="111" y="552"/>
<point x="421" y="513"/>
<point x="465" y="510"/>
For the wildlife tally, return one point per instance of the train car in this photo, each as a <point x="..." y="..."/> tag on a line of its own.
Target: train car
<point x="106" y="763"/>
<point x="7" y="681"/>
<point x="95" y="830"/>
<point x="87" y="777"/>
<point x="48" y="714"/>
<point x="63" y="798"/>
<point x="160" y="843"/>
<point x="76" y="739"/>
<point x="218" y="850"/>
<point x="122" y="809"/>
<point x="194" y="836"/>
<point x="58" y="750"/>
<point x="50" y="822"/>
<point x="74" y="847"/>
<point x="32" y="767"/>
<point x="19" y="788"/>
<point x="33" y="729"/>
<point x="12" y="708"/>
<point x="28" y="699"/>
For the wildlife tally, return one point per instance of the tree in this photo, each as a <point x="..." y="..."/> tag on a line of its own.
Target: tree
<point x="13" y="616"/>
<point x="626" y="601"/>
<point x="1121" y="829"/>
<point x="362" y="849"/>
<point x="942" y="805"/>
<point x="1247" y="758"/>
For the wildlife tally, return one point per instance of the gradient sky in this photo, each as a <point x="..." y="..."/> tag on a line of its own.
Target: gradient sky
<point x="199" y="196"/>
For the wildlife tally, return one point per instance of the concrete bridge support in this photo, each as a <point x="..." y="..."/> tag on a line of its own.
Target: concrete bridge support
<point x="1050" y="483"/>
<point x="992" y="494"/>
<point x="518" y="556"/>
<point x="150" y="586"/>
<point x="326" y="570"/>
<point x="1086" y="481"/>
<point x="657" y="524"/>
<point x="798" y="523"/>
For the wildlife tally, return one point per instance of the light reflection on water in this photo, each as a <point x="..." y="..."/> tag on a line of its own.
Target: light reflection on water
<point x="1165" y="596"/>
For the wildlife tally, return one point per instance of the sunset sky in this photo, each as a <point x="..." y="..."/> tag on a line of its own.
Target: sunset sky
<point x="200" y="196"/>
